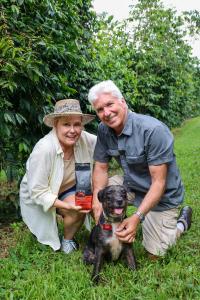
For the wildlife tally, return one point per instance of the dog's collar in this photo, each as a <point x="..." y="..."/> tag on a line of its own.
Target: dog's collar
<point x="106" y="226"/>
<point x="110" y="219"/>
<point x="104" y="223"/>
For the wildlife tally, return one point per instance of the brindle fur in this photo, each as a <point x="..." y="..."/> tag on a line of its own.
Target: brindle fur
<point x="103" y="244"/>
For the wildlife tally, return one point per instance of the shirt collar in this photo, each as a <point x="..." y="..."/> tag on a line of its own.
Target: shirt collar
<point x="57" y="144"/>
<point x="128" y="128"/>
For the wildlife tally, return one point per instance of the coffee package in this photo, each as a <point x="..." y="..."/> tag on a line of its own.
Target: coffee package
<point x="83" y="196"/>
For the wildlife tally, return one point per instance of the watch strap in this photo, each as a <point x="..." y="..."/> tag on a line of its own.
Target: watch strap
<point x="140" y="215"/>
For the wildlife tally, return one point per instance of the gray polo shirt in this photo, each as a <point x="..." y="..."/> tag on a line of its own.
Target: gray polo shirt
<point x="144" y="141"/>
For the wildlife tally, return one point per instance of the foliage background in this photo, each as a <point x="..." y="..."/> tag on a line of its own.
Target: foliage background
<point x="51" y="50"/>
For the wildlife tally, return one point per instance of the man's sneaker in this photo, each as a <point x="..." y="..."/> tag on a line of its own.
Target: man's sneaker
<point x="185" y="217"/>
<point x="68" y="246"/>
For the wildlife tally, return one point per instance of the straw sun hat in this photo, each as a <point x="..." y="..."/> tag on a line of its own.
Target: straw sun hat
<point x="64" y="108"/>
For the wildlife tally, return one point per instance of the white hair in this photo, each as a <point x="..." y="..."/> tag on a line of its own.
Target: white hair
<point x="104" y="87"/>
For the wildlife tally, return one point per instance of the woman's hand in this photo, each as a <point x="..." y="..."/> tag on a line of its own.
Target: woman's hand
<point x="69" y="205"/>
<point x="76" y="208"/>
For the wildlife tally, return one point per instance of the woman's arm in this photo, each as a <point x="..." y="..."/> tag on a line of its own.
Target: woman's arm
<point x="39" y="169"/>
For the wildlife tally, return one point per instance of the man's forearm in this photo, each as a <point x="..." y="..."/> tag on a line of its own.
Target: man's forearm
<point x="157" y="188"/>
<point x="100" y="180"/>
<point x="100" y="177"/>
<point x="152" y="197"/>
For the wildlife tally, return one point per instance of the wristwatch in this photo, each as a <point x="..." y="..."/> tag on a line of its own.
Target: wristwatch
<point x="140" y="215"/>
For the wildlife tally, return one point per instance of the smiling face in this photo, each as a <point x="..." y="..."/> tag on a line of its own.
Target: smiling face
<point x="68" y="130"/>
<point x="114" y="201"/>
<point x="111" y="111"/>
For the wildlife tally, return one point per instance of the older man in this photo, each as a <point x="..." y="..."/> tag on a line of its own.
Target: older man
<point x="143" y="146"/>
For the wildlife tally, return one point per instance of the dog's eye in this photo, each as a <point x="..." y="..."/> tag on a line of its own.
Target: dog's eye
<point x="109" y="193"/>
<point x="123" y="192"/>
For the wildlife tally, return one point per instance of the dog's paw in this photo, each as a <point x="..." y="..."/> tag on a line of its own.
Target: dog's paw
<point x="95" y="278"/>
<point x="88" y="257"/>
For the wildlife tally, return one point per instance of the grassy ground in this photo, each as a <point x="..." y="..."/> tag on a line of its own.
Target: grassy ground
<point x="33" y="271"/>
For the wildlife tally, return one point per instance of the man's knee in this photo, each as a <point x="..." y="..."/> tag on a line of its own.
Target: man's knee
<point x="159" y="231"/>
<point x="115" y="180"/>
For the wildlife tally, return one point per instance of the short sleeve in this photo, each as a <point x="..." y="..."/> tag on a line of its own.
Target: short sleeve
<point x="101" y="148"/>
<point x="159" y="145"/>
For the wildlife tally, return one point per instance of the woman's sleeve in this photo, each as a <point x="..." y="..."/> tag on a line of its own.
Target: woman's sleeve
<point x="93" y="142"/>
<point x="38" y="174"/>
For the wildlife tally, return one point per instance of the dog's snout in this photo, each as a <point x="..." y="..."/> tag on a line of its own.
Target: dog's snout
<point x="120" y="202"/>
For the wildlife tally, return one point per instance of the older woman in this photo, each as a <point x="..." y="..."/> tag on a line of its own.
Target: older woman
<point x="49" y="183"/>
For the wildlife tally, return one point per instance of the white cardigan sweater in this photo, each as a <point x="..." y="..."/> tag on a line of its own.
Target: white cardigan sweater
<point x="41" y="183"/>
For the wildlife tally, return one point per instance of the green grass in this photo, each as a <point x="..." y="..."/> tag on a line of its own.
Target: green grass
<point x="33" y="271"/>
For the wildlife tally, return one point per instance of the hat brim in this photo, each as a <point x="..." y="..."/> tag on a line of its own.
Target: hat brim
<point x="49" y="119"/>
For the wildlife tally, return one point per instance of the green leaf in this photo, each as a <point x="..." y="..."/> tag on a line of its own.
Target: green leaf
<point x="3" y="177"/>
<point x="9" y="117"/>
<point x="20" y="118"/>
<point x="15" y="9"/>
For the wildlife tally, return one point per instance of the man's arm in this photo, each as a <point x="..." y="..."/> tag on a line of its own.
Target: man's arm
<point x="127" y="229"/>
<point x="100" y="180"/>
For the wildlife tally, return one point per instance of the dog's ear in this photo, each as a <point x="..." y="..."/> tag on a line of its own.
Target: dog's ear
<point x="126" y="191"/>
<point x="100" y="195"/>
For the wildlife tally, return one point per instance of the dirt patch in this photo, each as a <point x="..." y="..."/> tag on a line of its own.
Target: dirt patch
<point x="9" y="213"/>
<point x="7" y="240"/>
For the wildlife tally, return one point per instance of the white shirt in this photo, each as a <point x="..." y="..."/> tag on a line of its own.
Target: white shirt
<point x="41" y="183"/>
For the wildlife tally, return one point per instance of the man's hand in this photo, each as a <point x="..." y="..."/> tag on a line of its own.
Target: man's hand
<point x="96" y="209"/>
<point x="126" y="231"/>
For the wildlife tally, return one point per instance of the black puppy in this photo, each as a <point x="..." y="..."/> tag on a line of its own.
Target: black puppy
<point x="103" y="243"/>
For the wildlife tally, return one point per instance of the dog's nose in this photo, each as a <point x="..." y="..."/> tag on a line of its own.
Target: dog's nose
<point x="120" y="202"/>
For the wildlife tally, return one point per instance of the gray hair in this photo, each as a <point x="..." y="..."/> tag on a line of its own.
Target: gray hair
<point x="104" y="87"/>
